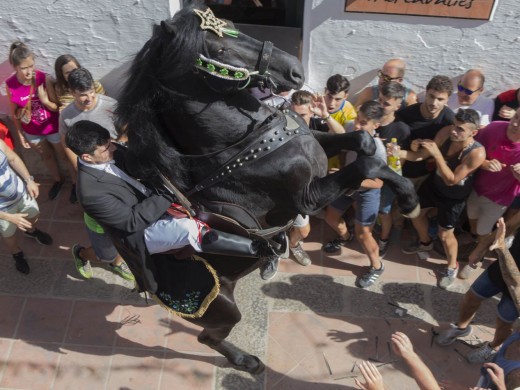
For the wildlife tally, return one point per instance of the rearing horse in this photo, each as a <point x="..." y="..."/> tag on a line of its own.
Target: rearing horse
<point x="188" y="117"/>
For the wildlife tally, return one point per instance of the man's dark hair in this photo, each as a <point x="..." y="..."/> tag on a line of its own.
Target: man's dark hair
<point x="468" y="116"/>
<point x="440" y="83"/>
<point x="372" y="110"/>
<point x="393" y="89"/>
<point x="85" y="136"/>
<point x="300" y="98"/>
<point x="337" y="84"/>
<point x="80" y="80"/>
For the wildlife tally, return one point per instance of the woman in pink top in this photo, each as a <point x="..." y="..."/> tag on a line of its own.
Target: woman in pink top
<point x="35" y="113"/>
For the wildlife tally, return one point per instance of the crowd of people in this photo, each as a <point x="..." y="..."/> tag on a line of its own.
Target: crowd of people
<point x="460" y="150"/>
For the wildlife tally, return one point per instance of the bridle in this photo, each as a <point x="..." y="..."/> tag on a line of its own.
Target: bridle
<point x="239" y="75"/>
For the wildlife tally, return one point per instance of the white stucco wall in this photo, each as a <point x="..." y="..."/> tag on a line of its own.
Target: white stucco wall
<point x="102" y="34"/>
<point x="357" y="45"/>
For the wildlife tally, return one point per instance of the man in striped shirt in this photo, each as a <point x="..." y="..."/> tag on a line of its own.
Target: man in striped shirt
<point x="18" y="207"/>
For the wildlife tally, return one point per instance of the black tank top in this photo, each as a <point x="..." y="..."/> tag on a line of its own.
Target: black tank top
<point x="462" y="189"/>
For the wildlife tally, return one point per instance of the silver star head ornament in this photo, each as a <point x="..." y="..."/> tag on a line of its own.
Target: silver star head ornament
<point x="210" y="22"/>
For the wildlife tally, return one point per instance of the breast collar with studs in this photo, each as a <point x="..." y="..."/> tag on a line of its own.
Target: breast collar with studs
<point x="256" y="146"/>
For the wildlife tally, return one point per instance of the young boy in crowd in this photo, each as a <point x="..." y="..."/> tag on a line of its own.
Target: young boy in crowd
<point x="367" y="198"/>
<point x="391" y="95"/>
<point x="336" y="94"/>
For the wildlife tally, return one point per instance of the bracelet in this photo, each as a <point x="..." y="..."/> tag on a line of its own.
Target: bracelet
<point x="327" y="118"/>
<point x="30" y="178"/>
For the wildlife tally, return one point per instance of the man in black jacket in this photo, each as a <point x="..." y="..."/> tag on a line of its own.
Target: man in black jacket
<point x="134" y="216"/>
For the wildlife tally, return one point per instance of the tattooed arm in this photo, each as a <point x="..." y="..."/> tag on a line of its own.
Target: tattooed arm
<point x="507" y="263"/>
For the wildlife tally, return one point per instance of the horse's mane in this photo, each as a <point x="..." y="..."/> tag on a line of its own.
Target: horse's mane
<point x="148" y="92"/>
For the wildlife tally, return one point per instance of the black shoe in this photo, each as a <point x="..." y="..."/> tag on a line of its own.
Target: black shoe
<point x="336" y="244"/>
<point x="55" y="189"/>
<point x="41" y="237"/>
<point x="73" y="197"/>
<point x="21" y="263"/>
<point x="270" y="268"/>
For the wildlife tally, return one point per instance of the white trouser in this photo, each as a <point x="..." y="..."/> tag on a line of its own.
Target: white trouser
<point x="169" y="233"/>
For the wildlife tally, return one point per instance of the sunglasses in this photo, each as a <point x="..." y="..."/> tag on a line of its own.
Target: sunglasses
<point x="385" y="77"/>
<point x="467" y="91"/>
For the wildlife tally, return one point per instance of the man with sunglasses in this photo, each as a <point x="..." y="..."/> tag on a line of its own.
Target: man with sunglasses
<point x="392" y="70"/>
<point x="457" y="156"/>
<point x="469" y="95"/>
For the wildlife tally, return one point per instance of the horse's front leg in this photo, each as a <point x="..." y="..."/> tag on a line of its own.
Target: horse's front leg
<point x="358" y="141"/>
<point x="321" y="192"/>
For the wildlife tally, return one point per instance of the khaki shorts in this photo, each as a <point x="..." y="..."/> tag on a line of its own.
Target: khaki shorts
<point x="484" y="211"/>
<point x="25" y="205"/>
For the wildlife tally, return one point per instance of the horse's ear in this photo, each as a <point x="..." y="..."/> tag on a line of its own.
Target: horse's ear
<point x="168" y="28"/>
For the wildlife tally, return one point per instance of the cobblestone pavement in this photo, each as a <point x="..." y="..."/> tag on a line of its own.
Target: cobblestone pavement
<point x="309" y="325"/>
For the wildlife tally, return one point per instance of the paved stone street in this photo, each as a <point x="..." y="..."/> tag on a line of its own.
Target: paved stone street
<point x="309" y="325"/>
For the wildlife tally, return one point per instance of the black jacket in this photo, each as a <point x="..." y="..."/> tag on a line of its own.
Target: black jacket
<point x="124" y="212"/>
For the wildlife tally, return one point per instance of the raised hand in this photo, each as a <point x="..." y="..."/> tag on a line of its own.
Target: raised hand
<point x="373" y="379"/>
<point x="402" y="346"/>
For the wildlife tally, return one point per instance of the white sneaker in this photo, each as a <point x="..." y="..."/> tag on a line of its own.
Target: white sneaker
<point x="482" y="354"/>
<point x="467" y="271"/>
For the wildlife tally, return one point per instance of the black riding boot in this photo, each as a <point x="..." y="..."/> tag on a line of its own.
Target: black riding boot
<point x="222" y="243"/>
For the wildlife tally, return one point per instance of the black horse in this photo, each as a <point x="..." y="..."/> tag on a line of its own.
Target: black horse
<point x="188" y="118"/>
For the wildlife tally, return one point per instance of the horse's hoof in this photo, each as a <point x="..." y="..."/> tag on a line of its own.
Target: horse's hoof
<point x="259" y="367"/>
<point x="414" y="213"/>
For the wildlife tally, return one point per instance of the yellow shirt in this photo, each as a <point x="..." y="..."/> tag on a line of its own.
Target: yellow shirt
<point x="345" y="113"/>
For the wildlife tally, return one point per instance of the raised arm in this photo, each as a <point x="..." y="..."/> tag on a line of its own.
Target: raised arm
<point x="402" y="346"/>
<point x="507" y="263"/>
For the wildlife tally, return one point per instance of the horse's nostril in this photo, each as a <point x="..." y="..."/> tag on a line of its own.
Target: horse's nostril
<point x="297" y="74"/>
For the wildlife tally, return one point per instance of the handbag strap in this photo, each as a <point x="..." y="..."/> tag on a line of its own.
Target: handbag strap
<point x="28" y="105"/>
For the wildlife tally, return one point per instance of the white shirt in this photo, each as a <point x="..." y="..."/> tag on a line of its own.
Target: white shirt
<point x="483" y="105"/>
<point x="110" y="167"/>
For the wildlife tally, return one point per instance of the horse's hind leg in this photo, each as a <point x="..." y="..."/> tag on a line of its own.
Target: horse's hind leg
<point x="218" y="321"/>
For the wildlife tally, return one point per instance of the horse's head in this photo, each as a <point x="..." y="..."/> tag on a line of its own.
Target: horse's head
<point x="230" y="60"/>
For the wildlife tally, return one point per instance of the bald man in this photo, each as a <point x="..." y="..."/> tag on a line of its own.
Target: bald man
<point x="469" y="95"/>
<point x="392" y="70"/>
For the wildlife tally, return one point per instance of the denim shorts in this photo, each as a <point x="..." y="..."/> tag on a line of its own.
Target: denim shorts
<point x="516" y="203"/>
<point x="54" y="138"/>
<point x="367" y="205"/>
<point x="484" y="288"/>
<point x="387" y="199"/>
<point x="103" y="246"/>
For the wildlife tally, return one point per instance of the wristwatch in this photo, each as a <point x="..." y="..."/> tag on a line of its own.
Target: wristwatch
<point x="30" y="178"/>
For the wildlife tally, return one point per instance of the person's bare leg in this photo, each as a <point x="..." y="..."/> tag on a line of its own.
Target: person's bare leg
<point x="12" y="244"/>
<point x="480" y="251"/>
<point x="451" y="246"/>
<point x="89" y="254"/>
<point x="386" y="226"/>
<point x="502" y="331"/>
<point x="335" y="220"/>
<point x="49" y="158"/>
<point x="118" y="260"/>
<point x="468" y="309"/>
<point x="421" y="226"/>
<point x="297" y="234"/>
<point x="369" y="244"/>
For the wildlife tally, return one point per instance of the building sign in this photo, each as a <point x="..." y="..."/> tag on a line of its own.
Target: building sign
<point x="465" y="9"/>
